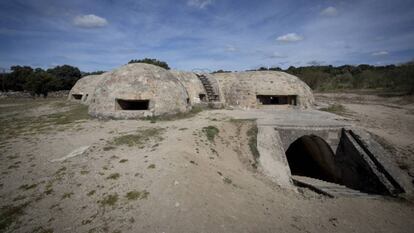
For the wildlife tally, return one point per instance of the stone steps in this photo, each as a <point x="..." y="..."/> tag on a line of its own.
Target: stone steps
<point x="328" y="188"/>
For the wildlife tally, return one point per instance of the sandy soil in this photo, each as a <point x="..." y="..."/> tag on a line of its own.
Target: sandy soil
<point x="173" y="179"/>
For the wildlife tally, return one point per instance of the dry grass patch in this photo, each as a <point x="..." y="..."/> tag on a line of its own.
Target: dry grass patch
<point x="140" y="138"/>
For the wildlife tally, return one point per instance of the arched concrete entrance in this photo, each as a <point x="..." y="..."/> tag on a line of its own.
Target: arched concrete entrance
<point x="311" y="156"/>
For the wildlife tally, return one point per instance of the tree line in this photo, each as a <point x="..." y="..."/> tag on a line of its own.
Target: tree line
<point x="38" y="81"/>
<point x="320" y="78"/>
<point x="329" y="78"/>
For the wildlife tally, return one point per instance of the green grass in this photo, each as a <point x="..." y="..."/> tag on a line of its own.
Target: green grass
<point x="152" y="166"/>
<point x="109" y="200"/>
<point x="113" y="176"/>
<point x="22" y="124"/>
<point x="9" y="214"/>
<point x="123" y="160"/>
<point x="335" y="108"/>
<point x="135" y="195"/>
<point x="252" y="136"/>
<point x="139" y="138"/>
<point x="210" y="132"/>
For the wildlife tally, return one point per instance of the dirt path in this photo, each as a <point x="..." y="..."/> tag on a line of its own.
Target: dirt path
<point x="188" y="175"/>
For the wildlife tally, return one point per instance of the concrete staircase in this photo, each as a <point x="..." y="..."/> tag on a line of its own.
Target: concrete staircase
<point x="328" y="188"/>
<point x="212" y="96"/>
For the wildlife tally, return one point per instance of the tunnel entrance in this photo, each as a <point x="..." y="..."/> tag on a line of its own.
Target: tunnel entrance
<point x="276" y="99"/>
<point x="77" y="96"/>
<point x="358" y="162"/>
<point x="311" y="156"/>
<point x="134" y="105"/>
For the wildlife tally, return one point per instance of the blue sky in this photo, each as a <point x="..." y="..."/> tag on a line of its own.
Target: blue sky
<point x="205" y="34"/>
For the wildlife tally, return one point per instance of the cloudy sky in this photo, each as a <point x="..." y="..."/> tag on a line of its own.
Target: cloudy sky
<point x="205" y="34"/>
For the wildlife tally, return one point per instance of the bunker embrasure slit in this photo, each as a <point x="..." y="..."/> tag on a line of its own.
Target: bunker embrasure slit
<point x="77" y="96"/>
<point x="277" y="99"/>
<point x="132" y="105"/>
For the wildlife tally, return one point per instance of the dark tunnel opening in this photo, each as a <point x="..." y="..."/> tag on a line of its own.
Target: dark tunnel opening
<point x="77" y="96"/>
<point x="311" y="156"/>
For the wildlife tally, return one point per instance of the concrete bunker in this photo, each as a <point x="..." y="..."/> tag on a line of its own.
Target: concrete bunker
<point x="84" y="89"/>
<point x="139" y="90"/>
<point x="264" y="89"/>
<point x="340" y="159"/>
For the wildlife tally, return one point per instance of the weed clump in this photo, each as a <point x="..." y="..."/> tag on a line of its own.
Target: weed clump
<point x="134" y="195"/>
<point x="109" y="200"/>
<point x="211" y="132"/>
<point x="113" y="176"/>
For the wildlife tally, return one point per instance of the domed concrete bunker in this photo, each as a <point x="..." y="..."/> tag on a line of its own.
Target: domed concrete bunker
<point x="259" y="89"/>
<point x="139" y="90"/>
<point x="84" y="88"/>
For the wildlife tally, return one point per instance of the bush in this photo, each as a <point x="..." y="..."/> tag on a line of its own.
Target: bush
<point x="156" y="62"/>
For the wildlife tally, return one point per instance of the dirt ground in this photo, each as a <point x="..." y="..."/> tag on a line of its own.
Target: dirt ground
<point x="193" y="174"/>
<point x="391" y="119"/>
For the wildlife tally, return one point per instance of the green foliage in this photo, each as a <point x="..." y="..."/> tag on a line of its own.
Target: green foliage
<point x="152" y="61"/>
<point x="211" y="132"/>
<point x="252" y="135"/>
<point x="40" y="82"/>
<point x="9" y="214"/>
<point x="109" y="200"/>
<point x="329" y="78"/>
<point x="140" y="138"/>
<point x="134" y="195"/>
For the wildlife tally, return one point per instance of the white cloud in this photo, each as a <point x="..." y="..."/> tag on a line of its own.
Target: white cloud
<point x="230" y="48"/>
<point x="89" y="21"/>
<point x="290" y="37"/>
<point x="380" y="53"/>
<point x="201" y="4"/>
<point x="329" y="11"/>
<point x="277" y="55"/>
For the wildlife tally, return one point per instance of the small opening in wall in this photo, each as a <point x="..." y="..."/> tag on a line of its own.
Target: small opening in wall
<point x="202" y="97"/>
<point x="277" y="99"/>
<point x="77" y="96"/>
<point x="86" y="97"/>
<point x="132" y="104"/>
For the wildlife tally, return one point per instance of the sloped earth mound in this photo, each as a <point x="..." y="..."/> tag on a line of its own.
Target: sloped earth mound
<point x="190" y="175"/>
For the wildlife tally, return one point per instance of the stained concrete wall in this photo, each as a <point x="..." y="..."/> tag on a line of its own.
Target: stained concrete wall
<point x="290" y="134"/>
<point x="192" y="84"/>
<point x="85" y="87"/>
<point x="241" y="88"/>
<point x="138" y="81"/>
<point x="272" y="158"/>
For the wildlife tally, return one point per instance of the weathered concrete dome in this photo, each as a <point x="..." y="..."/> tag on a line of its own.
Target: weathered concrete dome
<point x="264" y="88"/>
<point x="138" y="90"/>
<point x="84" y="88"/>
<point x="192" y="83"/>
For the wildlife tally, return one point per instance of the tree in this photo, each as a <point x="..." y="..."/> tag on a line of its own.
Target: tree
<point x="40" y="83"/>
<point x="66" y="75"/>
<point x="152" y="61"/>
<point x="17" y="78"/>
